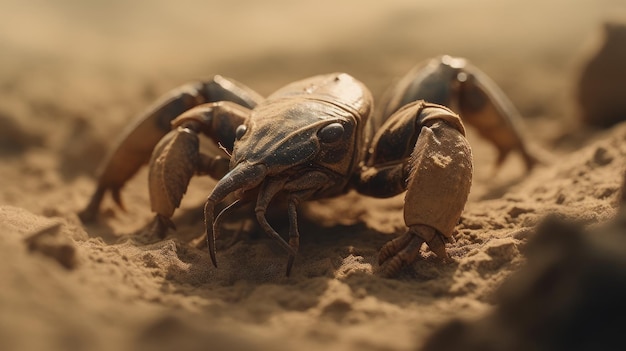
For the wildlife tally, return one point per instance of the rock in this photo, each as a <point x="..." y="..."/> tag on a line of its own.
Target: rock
<point x="569" y="296"/>
<point x="601" y="90"/>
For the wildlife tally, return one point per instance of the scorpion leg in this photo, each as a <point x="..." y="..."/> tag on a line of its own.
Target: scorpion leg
<point x="455" y="83"/>
<point x="401" y="251"/>
<point x="298" y="190"/>
<point x="421" y="149"/>
<point x="484" y="105"/>
<point x="294" y="234"/>
<point x="247" y="225"/>
<point x="267" y="192"/>
<point x="137" y="142"/>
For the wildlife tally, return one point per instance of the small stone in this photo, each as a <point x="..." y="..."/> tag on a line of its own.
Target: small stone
<point x="501" y="249"/>
<point x="48" y="242"/>
<point x="602" y="156"/>
<point x="517" y="211"/>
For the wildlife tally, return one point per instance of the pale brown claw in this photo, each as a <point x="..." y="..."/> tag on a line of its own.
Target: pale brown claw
<point x="439" y="179"/>
<point x="177" y="158"/>
<point x="135" y="146"/>
<point x="173" y="163"/>
<point x="137" y="143"/>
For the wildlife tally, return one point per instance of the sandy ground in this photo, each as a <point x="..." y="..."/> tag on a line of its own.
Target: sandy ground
<point x="74" y="73"/>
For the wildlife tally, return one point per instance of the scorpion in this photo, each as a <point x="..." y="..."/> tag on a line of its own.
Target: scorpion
<point x="317" y="138"/>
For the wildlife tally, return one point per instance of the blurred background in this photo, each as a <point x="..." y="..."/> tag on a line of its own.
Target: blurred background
<point x="267" y="44"/>
<point x="90" y="66"/>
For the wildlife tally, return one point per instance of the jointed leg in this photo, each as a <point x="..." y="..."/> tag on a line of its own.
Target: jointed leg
<point x="267" y="192"/>
<point x="294" y="235"/>
<point x="298" y="190"/>
<point x="404" y="250"/>
<point x="137" y="142"/>
<point x="457" y="84"/>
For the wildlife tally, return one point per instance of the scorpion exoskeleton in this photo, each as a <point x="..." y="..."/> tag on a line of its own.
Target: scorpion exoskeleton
<point x="318" y="138"/>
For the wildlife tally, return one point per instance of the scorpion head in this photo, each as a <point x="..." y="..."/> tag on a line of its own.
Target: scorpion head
<point x="280" y="146"/>
<point x="288" y="137"/>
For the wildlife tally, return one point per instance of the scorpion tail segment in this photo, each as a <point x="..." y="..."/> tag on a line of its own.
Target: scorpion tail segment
<point x="174" y="161"/>
<point x="485" y="106"/>
<point x="243" y="177"/>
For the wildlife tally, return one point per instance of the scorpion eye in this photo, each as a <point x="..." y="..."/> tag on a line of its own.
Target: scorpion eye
<point x="240" y="131"/>
<point x="330" y="133"/>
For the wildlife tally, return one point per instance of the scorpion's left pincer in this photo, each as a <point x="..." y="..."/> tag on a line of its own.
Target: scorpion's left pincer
<point x="434" y="167"/>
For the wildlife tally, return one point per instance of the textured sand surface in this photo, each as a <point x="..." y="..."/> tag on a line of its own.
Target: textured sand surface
<point x="72" y="74"/>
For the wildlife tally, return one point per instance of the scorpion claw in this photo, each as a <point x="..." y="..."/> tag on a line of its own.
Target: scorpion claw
<point x="135" y="146"/>
<point x="392" y="247"/>
<point x="437" y="176"/>
<point x="174" y="161"/>
<point x="400" y="253"/>
<point x="404" y="250"/>
<point x="137" y="142"/>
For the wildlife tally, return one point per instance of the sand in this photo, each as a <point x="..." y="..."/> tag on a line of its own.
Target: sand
<point x="73" y="74"/>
